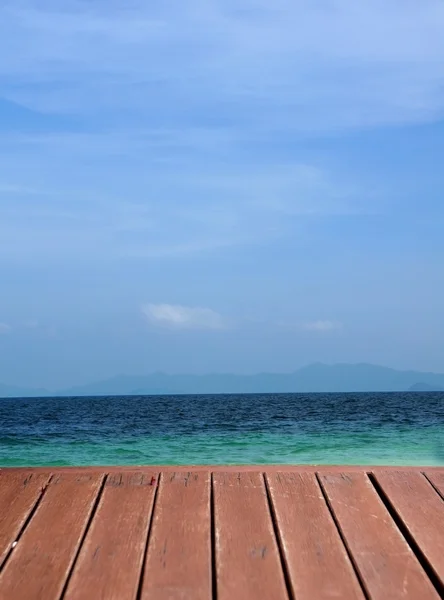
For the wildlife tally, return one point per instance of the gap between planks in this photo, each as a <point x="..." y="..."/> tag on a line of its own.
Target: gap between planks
<point x="428" y="552"/>
<point x="431" y="478"/>
<point x="19" y="517"/>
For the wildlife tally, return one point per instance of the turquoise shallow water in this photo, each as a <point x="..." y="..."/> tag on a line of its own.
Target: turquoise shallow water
<point x="396" y="429"/>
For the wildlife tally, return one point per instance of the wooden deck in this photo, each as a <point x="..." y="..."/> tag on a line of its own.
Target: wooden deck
<point x="231" y="533"/>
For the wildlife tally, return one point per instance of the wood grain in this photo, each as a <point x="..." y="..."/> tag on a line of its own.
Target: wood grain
<point x="178" y="561"/>
<point x="248" y="564"/>
<point x="19" y="494"/>
<point x="317" y="561"/>
<point x="110" y="561"/>
<point x="243" y="559"/>
<point x="387" y="565"/>
<point x="39" y="565"/>
<point x="421" y="510"/>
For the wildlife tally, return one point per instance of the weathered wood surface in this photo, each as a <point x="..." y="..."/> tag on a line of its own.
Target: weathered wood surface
<point x="155" y="533"/>
<point x="421" y="511"/>
<point x="387" y="565"/>
<point x="19" y="494"/>
<point x="116" y="540"/>
<point x="436" y="478"/>
<point x="40" y="563"/>
<point x="248" y="564"/>
<point x="317" y="561"/>
<point x="178" y="560"/>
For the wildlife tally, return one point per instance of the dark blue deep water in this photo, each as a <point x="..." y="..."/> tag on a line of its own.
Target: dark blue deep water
<point x="374" y="428"/>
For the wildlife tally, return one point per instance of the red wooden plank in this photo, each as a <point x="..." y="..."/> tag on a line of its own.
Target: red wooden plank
<point x="19" y="493"/>
<point x="111" y="557"/>
<point x="387" y="565"/>
<point x="248" y="565"/>
<point x="178" y="561"/>
<point x="421" y="510"/>
<point x="40" y="564"/>
<point x="317" y="561"/>
<point x="437" y="479"/>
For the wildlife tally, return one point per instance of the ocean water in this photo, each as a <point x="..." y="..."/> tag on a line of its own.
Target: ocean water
<point x="396" y="429"/>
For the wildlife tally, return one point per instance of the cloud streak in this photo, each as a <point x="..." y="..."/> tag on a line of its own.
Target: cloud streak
<point x="247" y="66"/>
<point x="183" y="317"/>
<point x="322" y="326"/>
<point x="165" y="131"/>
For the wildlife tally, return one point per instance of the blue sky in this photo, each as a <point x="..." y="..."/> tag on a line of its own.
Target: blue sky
<point x="219" y="186"/>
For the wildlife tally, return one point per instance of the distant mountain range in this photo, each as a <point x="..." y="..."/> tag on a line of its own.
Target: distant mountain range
<point x="313" y="378"/>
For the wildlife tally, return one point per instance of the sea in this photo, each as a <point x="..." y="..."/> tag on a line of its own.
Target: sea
<point x="349" y="429"/>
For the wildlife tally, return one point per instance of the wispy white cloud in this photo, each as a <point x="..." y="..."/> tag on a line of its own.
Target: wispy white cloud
<point x="169" y="130"/>
<point x="322" y="326"/>
<point x="325" y="65"/>
<point x="4" y="328"/>
<point x="160" y="216"/>
<point x="183" y="317"/>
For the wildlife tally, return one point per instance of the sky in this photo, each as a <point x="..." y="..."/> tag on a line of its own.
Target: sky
<point x="219" y="186"/>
